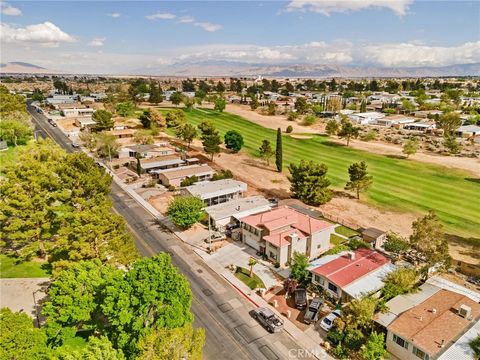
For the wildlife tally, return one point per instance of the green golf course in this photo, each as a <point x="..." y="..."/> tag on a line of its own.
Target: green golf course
<point x="398" y="184"/>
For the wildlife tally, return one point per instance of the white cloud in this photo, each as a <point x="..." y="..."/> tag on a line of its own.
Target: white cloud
<point x="327" y="7"/>
<point x="414" y="54"/>
<point x="210" y="27"/>
<point x="114" y="15"/>
<point x="186" y="19"/>
<point x="272" y="54"/>
<point x="97" y="42"/>
<point x="161" y="16"/>
<point x="45" y="34"/>
<point x="9" y="10"/>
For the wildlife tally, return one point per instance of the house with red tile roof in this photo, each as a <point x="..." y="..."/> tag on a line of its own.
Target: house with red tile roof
<point x="280" y="232"/>
<point x="434" y="328"/>
<point x="351" y="274"/>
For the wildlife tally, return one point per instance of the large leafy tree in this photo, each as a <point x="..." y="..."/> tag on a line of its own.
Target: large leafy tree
<point x="360" y="181"/>
<point x="103" y="119"/>
<point x="187" y="133"/>
<point x="184" y="211"/>
<point x="176" y="98"/>
<point x="449" y="122"/>
<point x="180" y="343"/>
<point x="301" y="105"/>
<point x="19" y="339"/>
<point x="126" y="108"/>
<point x="175" y="118"/>
<point x="309" y="183"/>
<point x="15" y="132"/>
<point x="233" y="140"/>
<point x="359" y="313"/>
<point x="151" y="295"/>
<point x="401" y="281"/>
<point x="74" y="299"/>
<point x="210" y="138"/>
<point x="429" y="239"/>
<point x="374" y="348"/>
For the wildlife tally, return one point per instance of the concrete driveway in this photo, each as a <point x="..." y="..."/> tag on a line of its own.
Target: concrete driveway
<point x="238" y="254"/>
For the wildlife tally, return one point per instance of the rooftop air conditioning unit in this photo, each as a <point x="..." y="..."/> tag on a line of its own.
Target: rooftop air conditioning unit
<point x="465" y="311"/>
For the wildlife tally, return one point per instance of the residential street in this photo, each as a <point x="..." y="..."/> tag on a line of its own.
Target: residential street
<point x="231" y="333"/>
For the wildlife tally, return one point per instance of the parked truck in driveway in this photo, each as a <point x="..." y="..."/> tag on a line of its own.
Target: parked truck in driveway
<point x="313" y="311"/>
<point x="268" y="319"/>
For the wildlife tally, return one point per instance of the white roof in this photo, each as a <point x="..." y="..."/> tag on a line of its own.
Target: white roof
<point x="156" y="164"/>
<point x="448" y="285"/>
<point x="210" y="189"/>
<point x="469" y="128"/>
<point x="370" y="283"/>
<point x="238" y="208"/>
<point x="371" y="114"/>
<point x="461" y="350"/>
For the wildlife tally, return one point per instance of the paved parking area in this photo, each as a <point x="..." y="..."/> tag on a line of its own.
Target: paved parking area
<point x="23" y="294"/>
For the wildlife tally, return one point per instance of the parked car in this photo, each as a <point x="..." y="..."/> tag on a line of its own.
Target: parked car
<point x="216" y="236"/>
<point x="300" y="298"/>
<point x="313" y="311"/>
<point x="268" y="319"/>
<point x="75" y="145"/>
<point x="327" y="322"/>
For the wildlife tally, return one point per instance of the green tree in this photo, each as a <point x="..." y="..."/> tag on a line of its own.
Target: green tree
<point x="266" y="151"/>
<point x="151" y="295"/>
<point x="309" y="120"/>
<point x="222" y="174"/>
<point x="292" y="116"/>
<point x="184" y="211"/>
<point x="449" y="122"/>
<point x="348" y="131"/>
<point x="301" y="105"/>
<point x="145" y="119"/>
<point x="401" y="281"/>
<point x="103" y="119"/>
<point x="475" y="346"/>
<point x="309" y="183"/>
<point x="233" y="140"/>
<point x="220" y="87"/>
<point x="410" y="147"/>
<point x="408" y="106"/>
<point x="15" y="132"/>
<point x="374" y="348"/>
<point x="174" y="344"/>
<point x="332" y="127"/>
<point x="176" y="98"/>
<point x="155" y="94"/>
<point x="279" y="151"/>
<point x="271" y="108"/>
<point x="188" y="133"/>
<point x="125" y="109"/>
<point x="360" y="181"/>
<point x="37" y="95"/>
<point x="363" y="106"/>
<point x="396" y="244"/>
<point x="19" y="339"/>
<point x="211" y="144"/>
<point x="107" y="145"/>
<point x="219" y="104"/>
<point x="74" y="299"/>
<point x="175" y="118"/>
<point x="100" y="348"/>
<point x="254" y="102"/>
<point x="299" y="268"/>
<point x="358" y="314"/>
<point x="428" y="238"/>
<point x="450" y="142"/>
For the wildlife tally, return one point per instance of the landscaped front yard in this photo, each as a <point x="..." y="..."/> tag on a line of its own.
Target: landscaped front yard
<point x="347" y="232"/>
<point x="253" y="282"/>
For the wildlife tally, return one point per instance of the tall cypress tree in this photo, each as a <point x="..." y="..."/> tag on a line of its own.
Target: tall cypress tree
<point x="279" y="151"/>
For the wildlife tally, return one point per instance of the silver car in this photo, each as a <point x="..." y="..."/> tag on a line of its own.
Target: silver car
<point x="327" y="322"/>
<point x="268" y="319"/>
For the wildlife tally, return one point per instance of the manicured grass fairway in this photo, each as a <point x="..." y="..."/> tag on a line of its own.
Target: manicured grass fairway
<point x="28" y="269"/>
<point x="398" y="184"/>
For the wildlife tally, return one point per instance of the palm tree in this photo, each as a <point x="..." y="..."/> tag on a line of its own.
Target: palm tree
<point x="251" y="262"/>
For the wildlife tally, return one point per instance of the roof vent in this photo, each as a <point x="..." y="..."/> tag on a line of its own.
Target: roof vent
<point x="351" y="255"/>
<point x="294" y="236"/>
<point x="434" y="311"/>
<point x="464" y="311"/>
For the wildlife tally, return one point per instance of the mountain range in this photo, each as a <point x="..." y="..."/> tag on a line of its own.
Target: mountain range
<point x="238" y="69"/>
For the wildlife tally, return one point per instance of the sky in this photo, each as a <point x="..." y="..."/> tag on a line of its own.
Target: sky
<point x="127" y="36"/>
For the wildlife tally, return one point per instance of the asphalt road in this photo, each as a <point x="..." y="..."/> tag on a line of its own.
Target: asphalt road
<point x="222" y="311"/>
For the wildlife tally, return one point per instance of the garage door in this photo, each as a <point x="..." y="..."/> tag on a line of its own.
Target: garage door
<point x="251" y="242"/>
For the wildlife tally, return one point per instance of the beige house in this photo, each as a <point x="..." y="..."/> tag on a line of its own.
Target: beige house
<point x="280" y="232"/>
<point x="175" y="176"/>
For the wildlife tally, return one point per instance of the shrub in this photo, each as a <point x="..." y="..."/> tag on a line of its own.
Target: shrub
<point x="337" y="249"/>
<point x="292" y="116"/>
<point x="189" y="181"/>
<point x="309" y="120"/>
<point x="233" y="140"/>
<point x="184" y="211"/>
<point x="369" y="136"/>
<point x="222" y="174"/>
<point x="355" y="244"/>
<point x="289" y="129"/>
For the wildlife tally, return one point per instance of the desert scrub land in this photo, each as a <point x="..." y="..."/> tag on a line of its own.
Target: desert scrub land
<point x="399" y="184"/>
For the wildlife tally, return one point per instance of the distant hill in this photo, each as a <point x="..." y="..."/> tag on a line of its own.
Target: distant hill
<point x="18" y="67"/>
<point x="225" y="68"/>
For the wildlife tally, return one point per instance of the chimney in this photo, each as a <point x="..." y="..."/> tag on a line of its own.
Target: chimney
<point x="351" y="255"/>
<point x="465" y="311"/>
<point x="293" y="237"/>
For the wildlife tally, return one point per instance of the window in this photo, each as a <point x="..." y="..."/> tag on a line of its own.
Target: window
<point x="400" y="341"/>
<point x="420" y="354"/>
<point x="273" y="255"/>
<point x="332" y="287"/>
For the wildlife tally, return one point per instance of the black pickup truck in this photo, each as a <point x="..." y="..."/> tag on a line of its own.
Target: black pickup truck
<point x="313" y="311"/>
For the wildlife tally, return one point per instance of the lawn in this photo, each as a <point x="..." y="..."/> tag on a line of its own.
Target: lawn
<point x="337" y="240"/>
<point x="398" y="184"/>
<point x="253" y="282"/>
<point x="345" y="231"/>
<point x="27" y="269"/>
